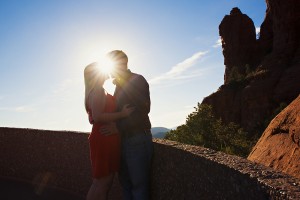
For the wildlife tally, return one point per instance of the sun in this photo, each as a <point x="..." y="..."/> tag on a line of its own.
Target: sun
<point x="106" y="65"/>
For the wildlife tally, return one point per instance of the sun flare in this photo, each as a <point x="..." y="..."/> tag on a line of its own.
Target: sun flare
<point x="106" y="65"/>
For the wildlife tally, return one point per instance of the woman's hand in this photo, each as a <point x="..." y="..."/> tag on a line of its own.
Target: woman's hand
<point x="126" y="110"/>
<point x="109" y="129"/>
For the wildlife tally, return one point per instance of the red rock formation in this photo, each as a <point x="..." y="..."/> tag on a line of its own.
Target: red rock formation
<point x="279" y="146"/>
<point x="274" y="61"/>
<point x="285" y="15"/>
<point x="237" y="31"/>
<point x="265" y="41"/>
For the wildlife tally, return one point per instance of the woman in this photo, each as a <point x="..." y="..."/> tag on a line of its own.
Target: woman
<point x="104" y="149"/>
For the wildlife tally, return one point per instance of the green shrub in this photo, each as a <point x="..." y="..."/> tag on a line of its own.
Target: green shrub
<point x="204" y="129"/>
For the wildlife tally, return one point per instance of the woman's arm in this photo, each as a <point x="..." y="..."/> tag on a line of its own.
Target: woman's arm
<point x="97" y="102"/>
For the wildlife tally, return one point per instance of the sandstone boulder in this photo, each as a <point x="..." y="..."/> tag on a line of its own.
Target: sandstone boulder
<point x="279" y="146"/>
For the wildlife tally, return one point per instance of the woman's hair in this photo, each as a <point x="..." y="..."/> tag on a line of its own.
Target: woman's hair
<point x="91" y="78"/>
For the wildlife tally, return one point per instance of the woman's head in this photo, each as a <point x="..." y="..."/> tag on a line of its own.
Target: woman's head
<point x="93" y="77"/>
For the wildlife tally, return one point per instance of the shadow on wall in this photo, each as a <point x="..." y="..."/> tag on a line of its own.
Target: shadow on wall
<point x="60" y="160"/>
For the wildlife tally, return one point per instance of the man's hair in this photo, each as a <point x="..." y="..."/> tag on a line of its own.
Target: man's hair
<point x="119" y="57"/>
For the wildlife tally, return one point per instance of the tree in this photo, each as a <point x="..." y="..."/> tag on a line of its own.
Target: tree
<point x="202" y="128"/>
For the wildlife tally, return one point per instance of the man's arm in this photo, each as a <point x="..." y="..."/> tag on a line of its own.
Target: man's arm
<point x="97" y="103"/>
<point x="141" y="94"/>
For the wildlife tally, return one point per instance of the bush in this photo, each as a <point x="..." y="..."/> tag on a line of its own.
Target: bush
<point x="202" y="128"/>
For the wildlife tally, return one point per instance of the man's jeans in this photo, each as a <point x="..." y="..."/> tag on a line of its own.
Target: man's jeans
<point x="135" y="166"/>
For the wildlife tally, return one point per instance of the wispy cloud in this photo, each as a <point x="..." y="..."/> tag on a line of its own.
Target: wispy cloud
<point x="66" y="89"/>
<point x="257" y="30"/>
<point x="24" y="109"/>
<point x="218" y="43"/>
<point x="19" y="109"/>
<point x="180" y="71"/>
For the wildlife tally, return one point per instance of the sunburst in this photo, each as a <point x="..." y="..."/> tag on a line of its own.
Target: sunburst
<point x="106" y="65"/>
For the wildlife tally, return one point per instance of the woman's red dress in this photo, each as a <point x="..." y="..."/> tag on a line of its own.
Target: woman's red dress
<point x="104" y="150"/>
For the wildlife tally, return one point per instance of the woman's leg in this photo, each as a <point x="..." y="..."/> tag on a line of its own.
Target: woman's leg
<point x="100" y="188"/>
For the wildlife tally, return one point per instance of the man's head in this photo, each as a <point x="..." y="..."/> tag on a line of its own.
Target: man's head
<point x="120" y="60"/>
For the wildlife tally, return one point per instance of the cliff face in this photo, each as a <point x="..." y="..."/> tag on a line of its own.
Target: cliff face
<point x="279" y="146"/>
<point x="260" y="74"/>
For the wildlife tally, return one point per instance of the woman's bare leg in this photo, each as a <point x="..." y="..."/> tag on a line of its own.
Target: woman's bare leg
<point x="100" y="188"/>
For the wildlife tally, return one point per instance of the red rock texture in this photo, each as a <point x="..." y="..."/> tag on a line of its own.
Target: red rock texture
<point x="279" y="146"/>
<point x="273" y="60"/>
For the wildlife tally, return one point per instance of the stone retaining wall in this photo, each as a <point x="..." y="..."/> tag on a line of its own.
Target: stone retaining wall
<point x="191" y="172"/>
<point x="60" y="159"/>
<point x="54" y="158"/>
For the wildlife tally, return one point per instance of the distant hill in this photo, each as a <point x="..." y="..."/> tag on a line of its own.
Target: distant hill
<point x="159" y="132"/>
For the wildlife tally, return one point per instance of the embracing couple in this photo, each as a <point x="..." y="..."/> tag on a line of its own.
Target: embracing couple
<point x="121" y="140"/>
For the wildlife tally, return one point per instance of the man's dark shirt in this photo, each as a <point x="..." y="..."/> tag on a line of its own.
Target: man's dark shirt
<point x="135" y="92"/>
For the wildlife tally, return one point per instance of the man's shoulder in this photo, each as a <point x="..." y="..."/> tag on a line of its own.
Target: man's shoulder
<point x="138" y="77"/>
<point x="135" y="75"/>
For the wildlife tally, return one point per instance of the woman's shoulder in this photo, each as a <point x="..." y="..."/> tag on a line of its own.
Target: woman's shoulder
<point x="97" y="100"/>
<point x="97" y="94"/>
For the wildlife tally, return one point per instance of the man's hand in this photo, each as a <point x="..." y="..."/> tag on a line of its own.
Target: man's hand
<point x="109" y="129"/>
<point x="126" y="110"/>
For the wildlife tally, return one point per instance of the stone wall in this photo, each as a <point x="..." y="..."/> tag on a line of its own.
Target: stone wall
<point x="191" y="172"/>
<point x="60" y="159"/>
<point x="57" y="159"/>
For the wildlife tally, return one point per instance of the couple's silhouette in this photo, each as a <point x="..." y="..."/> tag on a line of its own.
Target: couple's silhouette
<point x="121" y="139"/>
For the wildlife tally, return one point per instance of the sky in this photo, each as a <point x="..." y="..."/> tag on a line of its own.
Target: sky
<point x="46" y="44"/>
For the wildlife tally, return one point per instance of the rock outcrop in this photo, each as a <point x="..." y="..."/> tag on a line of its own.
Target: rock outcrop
<point x="260" y="75"/>
<point x="239" y="44"/>
<point x="279" y="146"/>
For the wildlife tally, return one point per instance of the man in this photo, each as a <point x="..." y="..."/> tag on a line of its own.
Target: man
<point x="136" y="137"/>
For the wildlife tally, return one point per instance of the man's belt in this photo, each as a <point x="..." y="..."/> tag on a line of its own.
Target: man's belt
<point x="129" y="134"/>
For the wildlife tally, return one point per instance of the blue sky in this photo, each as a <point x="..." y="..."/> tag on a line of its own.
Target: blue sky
<point x="45" y="46"/>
